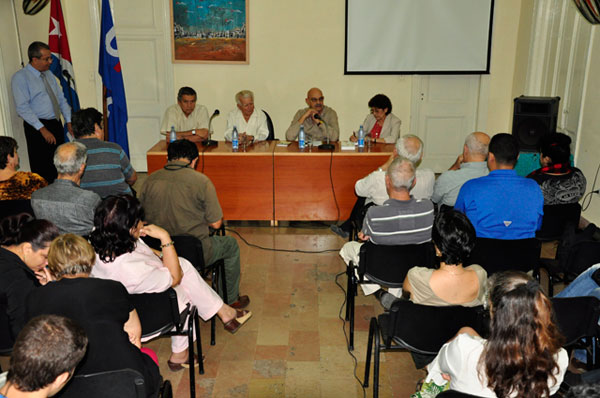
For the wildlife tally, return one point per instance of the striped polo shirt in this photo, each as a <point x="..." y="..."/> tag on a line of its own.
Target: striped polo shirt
<point x="107" y="168"/>
<point x="400" y="222"/>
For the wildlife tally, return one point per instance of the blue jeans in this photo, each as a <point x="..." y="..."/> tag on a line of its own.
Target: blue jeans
<point x="583" y="285"/>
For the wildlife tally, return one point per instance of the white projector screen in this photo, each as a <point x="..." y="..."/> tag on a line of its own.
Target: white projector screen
<point x="418" y="36"/>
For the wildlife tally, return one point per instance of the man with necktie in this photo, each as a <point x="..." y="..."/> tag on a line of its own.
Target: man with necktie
<point x="40" y="103"/>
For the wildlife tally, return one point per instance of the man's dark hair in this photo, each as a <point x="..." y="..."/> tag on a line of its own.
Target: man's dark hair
<point x="35" y="49"/>
<point x="83" y="122"/>
<point x="46" y="347"/>
<point x="381" y="101"/>
<point x="182" y="149"/>
<point x="8" y="147"/>
<point x="185" y="91"/>
<point x="505" y="149"/>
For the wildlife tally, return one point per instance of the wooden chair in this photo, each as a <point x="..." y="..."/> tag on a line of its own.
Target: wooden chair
<point x="386" y="266"/>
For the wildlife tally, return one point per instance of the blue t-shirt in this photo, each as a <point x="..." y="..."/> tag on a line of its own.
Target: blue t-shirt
<point x="502" y="205"/>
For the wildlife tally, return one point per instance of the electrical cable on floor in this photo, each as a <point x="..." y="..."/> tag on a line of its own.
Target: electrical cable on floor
<point x="346" y="335"/>
<point x="280" y="250"/>
<point x="584" y="207"/>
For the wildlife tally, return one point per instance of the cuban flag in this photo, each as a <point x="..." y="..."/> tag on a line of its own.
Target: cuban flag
<point x="112" y="78"/>
<point x="62" y="67"/>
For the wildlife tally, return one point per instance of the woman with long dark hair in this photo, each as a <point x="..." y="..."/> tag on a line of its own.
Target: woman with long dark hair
<point x="122" y="256"/>
<point x="522" y="356"/>
<point x="23" y="259"/>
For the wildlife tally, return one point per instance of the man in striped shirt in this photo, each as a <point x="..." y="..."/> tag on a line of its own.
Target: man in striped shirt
<point x="401" y="220"/>
<point x="108" y="171"/>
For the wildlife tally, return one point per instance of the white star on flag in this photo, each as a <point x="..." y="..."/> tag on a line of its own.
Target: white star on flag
<point x="56" y="30"/>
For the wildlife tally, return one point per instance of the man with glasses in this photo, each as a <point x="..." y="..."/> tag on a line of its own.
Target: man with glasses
<point x="320" y="122"/>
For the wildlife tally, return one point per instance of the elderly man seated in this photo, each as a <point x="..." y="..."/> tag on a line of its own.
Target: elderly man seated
<point x="250" y="124"/>
<point x="15" y="185"/>
<point x="63" y="202"/>
<point x="320" y="122"/>
<point x="400" y="220"/>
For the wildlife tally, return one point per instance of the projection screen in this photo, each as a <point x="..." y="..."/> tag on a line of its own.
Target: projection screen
<point x="418" y="36"/>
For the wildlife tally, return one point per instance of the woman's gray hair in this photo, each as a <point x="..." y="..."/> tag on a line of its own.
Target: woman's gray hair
<point x="69" y="157"/>
<point x="401" y="173"/>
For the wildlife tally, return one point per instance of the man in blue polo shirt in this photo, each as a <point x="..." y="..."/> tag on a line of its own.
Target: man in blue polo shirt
<point x="502" y="205"/>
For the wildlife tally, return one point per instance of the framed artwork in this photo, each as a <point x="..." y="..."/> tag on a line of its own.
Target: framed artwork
<point x="209" y="31"/>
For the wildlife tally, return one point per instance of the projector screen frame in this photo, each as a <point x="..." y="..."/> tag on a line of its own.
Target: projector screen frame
<point x="422" y="72"/>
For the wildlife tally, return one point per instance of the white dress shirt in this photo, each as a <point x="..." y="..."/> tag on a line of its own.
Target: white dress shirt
<point x="256" y="124"/>
<point x="372" y="186"/>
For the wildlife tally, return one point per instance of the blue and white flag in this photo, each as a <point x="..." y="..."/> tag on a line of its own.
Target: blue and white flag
<point x="112" y="78"/>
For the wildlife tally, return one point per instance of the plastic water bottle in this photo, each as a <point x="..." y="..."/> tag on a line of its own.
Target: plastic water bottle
<point x="361" y="137"/>
<point x="235" y="140"/>
<point x="172" y="135"/>
<point x="301" y="137"/>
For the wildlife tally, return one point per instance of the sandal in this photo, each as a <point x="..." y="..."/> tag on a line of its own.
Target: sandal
<point x="176" y="367"/>
<point x="233" y="325"/>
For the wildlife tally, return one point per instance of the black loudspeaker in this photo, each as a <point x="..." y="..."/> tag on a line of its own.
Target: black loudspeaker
<point x="534" y="117"/>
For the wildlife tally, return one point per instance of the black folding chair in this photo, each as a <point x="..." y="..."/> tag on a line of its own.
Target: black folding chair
<point x="456" y="394"/>
<point x="271" y="135"/>
<point x="385" y="265"/>
<point x="420" y="329"/>
<point x="497" y="255"/>
<point x="14" y="207"/>
<point x="123" y="383"/>
<point x="160" y="316"/>
<point x="6" y="339"/>
<point x="556" y="219"/>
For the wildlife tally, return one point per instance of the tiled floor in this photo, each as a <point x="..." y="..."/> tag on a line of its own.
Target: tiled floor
<point x="294" y="345"/>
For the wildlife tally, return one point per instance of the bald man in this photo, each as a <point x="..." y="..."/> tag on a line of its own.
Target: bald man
<point x="470" y="164"/>
<point x="320" y="121"/>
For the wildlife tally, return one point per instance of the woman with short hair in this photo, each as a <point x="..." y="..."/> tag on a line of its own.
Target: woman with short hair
<point x="381" y="125"/>
<point x="522" y="357"/>
<point x="102" y="307"/>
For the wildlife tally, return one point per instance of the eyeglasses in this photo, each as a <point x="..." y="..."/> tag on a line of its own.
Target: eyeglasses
<point x="320" y="99"/>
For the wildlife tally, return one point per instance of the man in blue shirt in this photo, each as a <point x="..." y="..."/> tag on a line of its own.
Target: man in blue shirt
<point x="40" y="102"/>
<point x="502" y="205"/>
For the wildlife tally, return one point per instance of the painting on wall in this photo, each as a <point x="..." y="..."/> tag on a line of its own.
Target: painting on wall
<point x="210" y="31"/>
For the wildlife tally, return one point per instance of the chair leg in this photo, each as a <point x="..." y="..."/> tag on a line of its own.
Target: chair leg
<point x="376" y="365"/>
<point x="215" y="283"/>
<point x="372" y="331"/>
<point x="199" y="344"/>
<point x="223" y="281"/>
<point x="349" y="270"/>
<point x="351" y="303"/>
<point x="550" y="285"/>
<point x="191" y="352"/>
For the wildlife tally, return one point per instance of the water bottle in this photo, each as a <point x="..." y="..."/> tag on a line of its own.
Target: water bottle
<point x="235" y="141"/>
<point x="301" y="137"/>
<point x="361" y="137"/>
<point x="172" y="135"/>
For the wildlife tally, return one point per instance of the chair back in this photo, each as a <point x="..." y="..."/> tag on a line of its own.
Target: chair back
<point x="271" y="135"/>
<point x="497" y="255"/>
<point x="190" y="248"/>
<point x="123" y="383"/>
<point x="13" y="207"/>
<point x="424" y="329"/>
<point x="388" y="265"/>
<point x="557" y="218"/>
<point x="577" y="317"/>
<point x="456" y="394"/>
<point x="158" y="312"/>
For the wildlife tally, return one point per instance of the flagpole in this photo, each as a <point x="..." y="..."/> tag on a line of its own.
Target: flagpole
<point x="18" y="33"/>
<point x="104" y="113"/>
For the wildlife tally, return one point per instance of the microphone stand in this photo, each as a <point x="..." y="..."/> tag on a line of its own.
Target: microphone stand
<point x="209" y="141"/>
<point x="327" y="146"/>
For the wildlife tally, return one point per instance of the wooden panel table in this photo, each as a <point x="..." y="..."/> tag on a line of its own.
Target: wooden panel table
<point x="303" y="180"/>
<point x="243" y="179"/>
<point x="268" y="182"/>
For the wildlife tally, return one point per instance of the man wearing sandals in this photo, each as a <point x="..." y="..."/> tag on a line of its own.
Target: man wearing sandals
<point x="184" y="202"/>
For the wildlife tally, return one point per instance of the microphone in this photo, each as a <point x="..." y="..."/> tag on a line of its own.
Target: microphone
<point x="208" y="141"/>
<point x="318" y="117"/>
<point x="326" y="145"/>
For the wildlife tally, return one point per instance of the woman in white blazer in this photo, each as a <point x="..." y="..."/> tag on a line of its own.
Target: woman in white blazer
<point x="381" y="125"/>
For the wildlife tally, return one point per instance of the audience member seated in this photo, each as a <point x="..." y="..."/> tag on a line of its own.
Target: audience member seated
<point x="15" y="185"/>
<point x="470" y="164"/>
<point x="584" y="285"/>
<point x="251" y="125"/>
<point x="401" y="220"/>
<point x="372" y="188"/>
<point x="320" y="122"/>
<point x="123" y="257"/>
<point x="63" y="202"/>
<point x="107" y="171"/>
<point x="23" y="259"/>
<point x="189" y="118"/>
<point x="102" y="307"/>
<point x="44" y="357"/>
<point x="502" y="205"/>
<point x="381" y="125"/>
<point x="451" y="284"/>
<point x="185" y="202"/>
<point x="522" y="356"/>
<point x="560" y="182"/>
